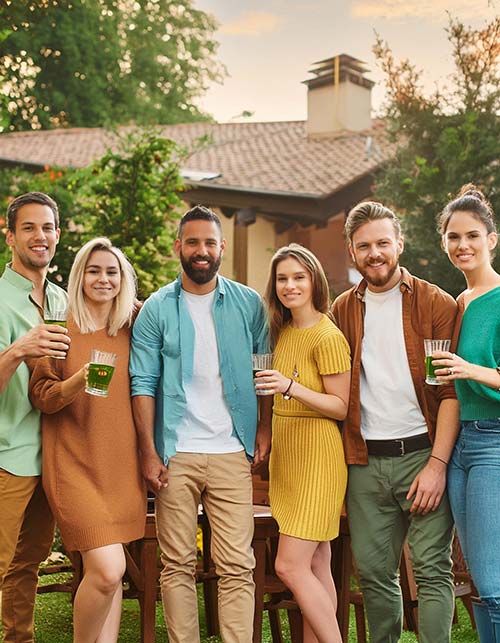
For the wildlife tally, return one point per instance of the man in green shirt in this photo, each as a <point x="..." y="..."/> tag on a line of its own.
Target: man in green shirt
<point x="26" y="526"/>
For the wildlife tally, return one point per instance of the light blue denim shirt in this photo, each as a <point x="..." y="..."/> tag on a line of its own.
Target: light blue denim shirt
<point x="162" y="351"/>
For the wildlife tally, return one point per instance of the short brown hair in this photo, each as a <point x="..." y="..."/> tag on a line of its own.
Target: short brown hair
<point x="369" y="211"/>
<point x="26" y="199"/>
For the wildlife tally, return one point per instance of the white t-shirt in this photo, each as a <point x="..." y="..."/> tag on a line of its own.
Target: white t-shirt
<point x="389" y="404"/>
<point x="207" y="426"/>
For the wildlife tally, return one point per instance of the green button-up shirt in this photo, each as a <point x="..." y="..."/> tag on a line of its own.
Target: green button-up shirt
<point x="20" y="435"/>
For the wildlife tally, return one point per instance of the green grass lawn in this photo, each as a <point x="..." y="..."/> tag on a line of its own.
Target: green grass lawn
<point x="53" y="623"/>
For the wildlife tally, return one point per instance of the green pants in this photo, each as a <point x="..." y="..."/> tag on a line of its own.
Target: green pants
<point x="379" y="521"/>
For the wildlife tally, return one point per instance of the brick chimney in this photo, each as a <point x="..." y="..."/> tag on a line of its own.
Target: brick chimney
<point x="338" y="97"/>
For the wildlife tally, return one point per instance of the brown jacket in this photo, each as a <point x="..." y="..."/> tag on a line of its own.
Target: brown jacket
<point x="428" y="312"/>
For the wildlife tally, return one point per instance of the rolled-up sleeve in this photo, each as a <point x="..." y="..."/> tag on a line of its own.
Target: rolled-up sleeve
<point x="146" y="350"/>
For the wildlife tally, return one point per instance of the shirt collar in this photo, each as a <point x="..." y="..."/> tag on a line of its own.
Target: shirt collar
<point x="220" y="288"/>
<point x="17" y="280"/>
<point x="406" y="283"/>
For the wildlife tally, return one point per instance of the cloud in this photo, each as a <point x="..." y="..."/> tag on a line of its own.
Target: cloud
<point x="417" y="8"/>
<point x="252" y="23"/>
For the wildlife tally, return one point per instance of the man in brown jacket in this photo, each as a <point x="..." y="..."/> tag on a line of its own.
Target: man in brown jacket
<point x="399" y="431"/>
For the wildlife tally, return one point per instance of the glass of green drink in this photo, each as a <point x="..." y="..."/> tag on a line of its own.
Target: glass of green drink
<point x="57" y="317"/>
<point x="262" y="362"/>
<point x="101" y="369"/>
<point x="430" y="346"/>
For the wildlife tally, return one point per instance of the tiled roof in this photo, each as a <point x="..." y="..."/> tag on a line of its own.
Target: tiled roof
<point x="275" y="157"/>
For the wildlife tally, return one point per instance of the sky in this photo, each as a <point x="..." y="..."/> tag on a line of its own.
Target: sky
<point x="268" y="46"/>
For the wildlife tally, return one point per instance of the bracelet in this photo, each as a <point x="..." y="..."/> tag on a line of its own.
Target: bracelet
<point x="286" y="394"/>
<point x="440" y="459"/>
<point x="498" y="371"/>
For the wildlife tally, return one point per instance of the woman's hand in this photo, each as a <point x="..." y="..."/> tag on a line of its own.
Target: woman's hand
<point x="75" y="383"/>
<point x="449" y="367"/>
<point x="84" y="373"/>
<point x="271" y="382"/>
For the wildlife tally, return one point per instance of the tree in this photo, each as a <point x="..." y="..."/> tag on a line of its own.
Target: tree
<point x="92" y="63"/>
<point x="62" y="185"/>
<point x="129" y="195"/>
<point x="445" y="139"/>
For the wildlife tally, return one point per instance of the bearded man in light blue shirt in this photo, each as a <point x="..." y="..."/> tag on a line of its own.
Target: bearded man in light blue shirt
<point x="196" y="413"/>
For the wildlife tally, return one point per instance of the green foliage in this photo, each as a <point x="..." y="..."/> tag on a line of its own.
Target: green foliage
<point x="129" y="195"/>
<point x="447" y="139"/>
<point x="100" y="62"/>
<point x="63" y="186"/>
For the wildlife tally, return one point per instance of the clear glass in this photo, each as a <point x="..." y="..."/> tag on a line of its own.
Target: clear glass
<point x="262" y="362"/>
<point x="56" y="316"/>
<point x="431" y="345"/>
<point x="101" y="369"/>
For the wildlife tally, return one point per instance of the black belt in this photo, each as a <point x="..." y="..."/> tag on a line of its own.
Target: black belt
<point x="396" y="448"/>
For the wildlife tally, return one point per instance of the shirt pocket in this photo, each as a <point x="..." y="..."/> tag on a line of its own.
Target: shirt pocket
<point x="172" y="344"/>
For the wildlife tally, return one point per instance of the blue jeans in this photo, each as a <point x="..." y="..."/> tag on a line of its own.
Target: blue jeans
<point x="474" y="493"/>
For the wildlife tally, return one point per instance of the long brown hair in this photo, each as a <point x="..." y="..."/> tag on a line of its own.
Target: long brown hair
<point x="278" y="314"/>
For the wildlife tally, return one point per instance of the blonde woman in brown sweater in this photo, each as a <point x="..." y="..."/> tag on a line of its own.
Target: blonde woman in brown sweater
<point x="91" y="472"/>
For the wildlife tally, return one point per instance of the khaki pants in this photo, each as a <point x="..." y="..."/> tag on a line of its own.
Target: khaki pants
<point x="223" y="484"/>
<point x="26" y="535"/>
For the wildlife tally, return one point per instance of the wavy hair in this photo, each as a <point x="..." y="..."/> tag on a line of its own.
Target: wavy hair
<point x="280" y="315"/>
<point x="367" y="211"/>
<point x="122" y="310"/>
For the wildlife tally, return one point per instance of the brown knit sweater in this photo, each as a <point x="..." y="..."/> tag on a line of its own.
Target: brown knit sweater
<point x="90" y="470"/>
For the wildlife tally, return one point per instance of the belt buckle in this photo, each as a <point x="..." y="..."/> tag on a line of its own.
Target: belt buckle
<point x="402" y="447"/>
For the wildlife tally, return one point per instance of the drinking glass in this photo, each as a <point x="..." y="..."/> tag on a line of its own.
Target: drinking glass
<point x="101" y="369"/>
<point x="262" y="362"/>
<point x="56" y="316"/>
<point x="430" y="346"/>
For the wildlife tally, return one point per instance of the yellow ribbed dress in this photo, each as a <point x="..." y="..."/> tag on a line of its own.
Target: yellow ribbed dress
<point x="308" y="474"/>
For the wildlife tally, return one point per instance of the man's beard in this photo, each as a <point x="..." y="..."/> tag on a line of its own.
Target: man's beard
<point x="378" y="280"/>
<point x="201" y="276"/>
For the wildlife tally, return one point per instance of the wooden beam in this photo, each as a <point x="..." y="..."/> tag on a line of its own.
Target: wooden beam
<point x="240" y="253"/>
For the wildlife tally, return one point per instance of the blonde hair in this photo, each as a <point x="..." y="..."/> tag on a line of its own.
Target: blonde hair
<point x="123" y="305"/>
<point x="280" y="315"/>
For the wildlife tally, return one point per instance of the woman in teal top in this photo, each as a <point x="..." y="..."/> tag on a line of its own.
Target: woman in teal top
<point x="469" y="237"/>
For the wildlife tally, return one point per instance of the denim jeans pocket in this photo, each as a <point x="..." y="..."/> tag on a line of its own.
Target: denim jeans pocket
<point x="488" y="426"/>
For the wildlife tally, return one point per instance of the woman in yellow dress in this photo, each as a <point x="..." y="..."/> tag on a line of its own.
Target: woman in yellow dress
<point x="310" y="381"/>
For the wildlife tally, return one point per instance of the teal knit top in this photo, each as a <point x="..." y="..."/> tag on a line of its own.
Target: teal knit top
<point x="479" y="343"/>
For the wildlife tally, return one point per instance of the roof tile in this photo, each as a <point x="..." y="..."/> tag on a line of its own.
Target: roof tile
<point x="269" y="157"/>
